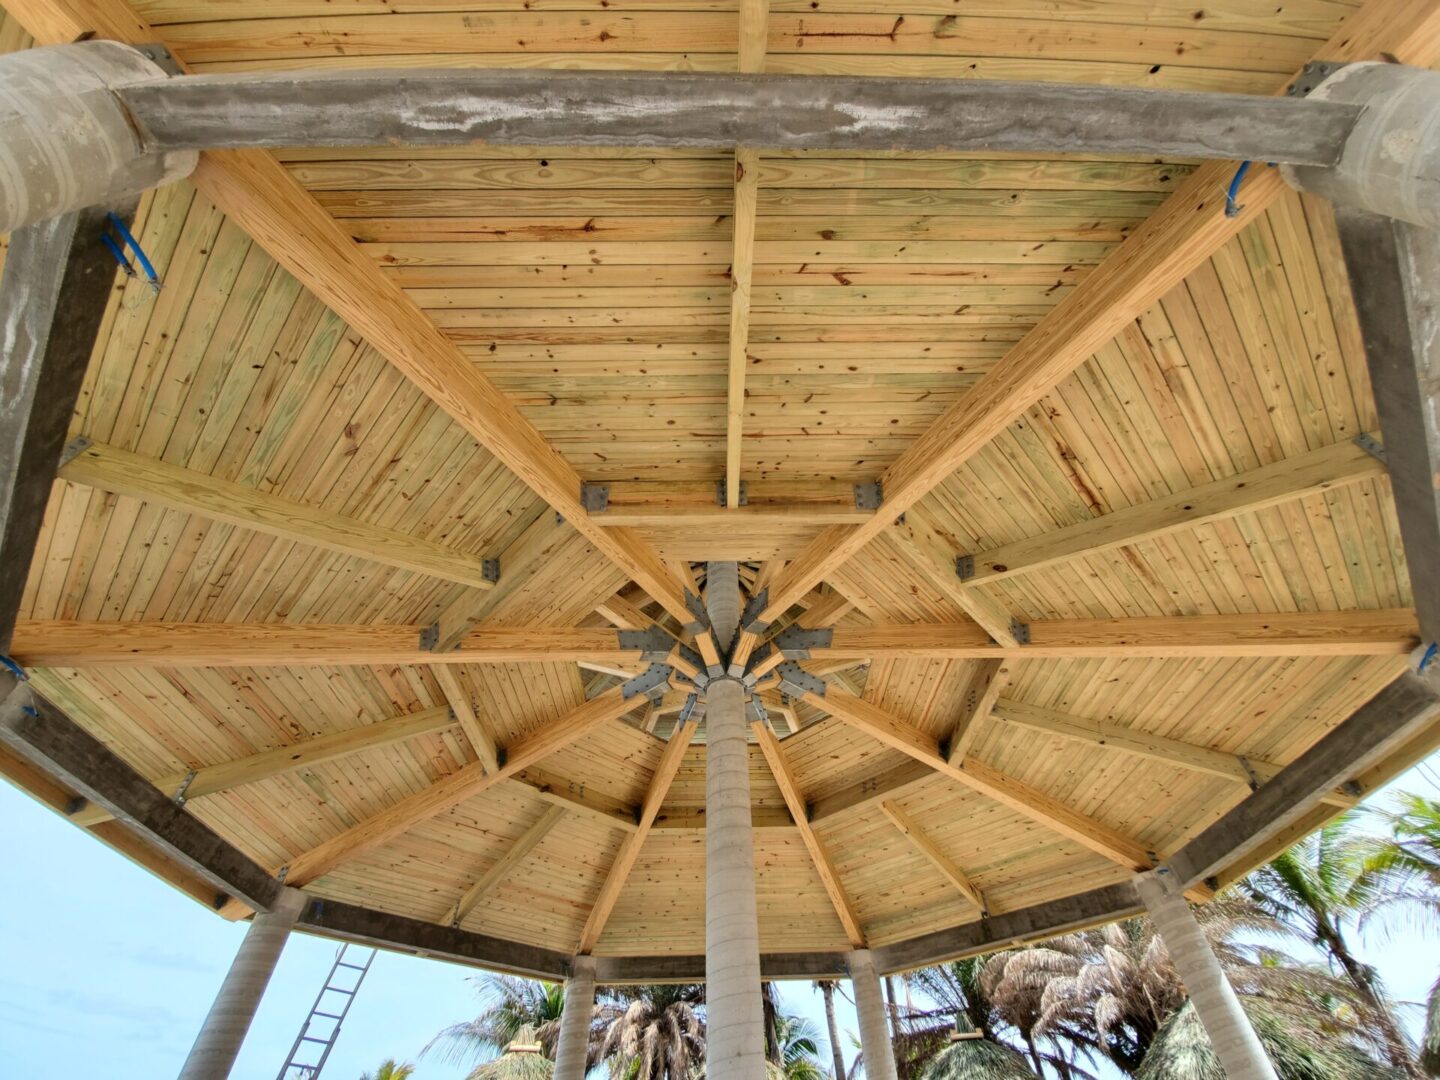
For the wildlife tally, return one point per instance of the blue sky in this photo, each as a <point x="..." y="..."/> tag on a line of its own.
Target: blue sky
<point x="107" y="971"/>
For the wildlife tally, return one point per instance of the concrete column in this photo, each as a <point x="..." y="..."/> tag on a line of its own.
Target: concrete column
<point x="66" y="141"/>
<point x="1390" y="163"/>
<point x="1233" y="1039"/>
<point x="734" y="1014"/>
<point x="218" y="1043"/>
<point x="570" y="1055"/>
<point x="875" y="1044"/>
<point x="722" y="602"/>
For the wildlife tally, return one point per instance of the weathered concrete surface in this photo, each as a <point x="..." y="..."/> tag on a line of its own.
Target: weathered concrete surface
<point x="575" y="1020"/>
<point x="875" y="1041"/>
<point x="764" y="112"/>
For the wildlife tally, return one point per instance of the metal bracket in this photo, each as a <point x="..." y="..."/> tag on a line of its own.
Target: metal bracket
<point x="595" y="498"/>
<point x="490" y="569"/>
<point x="1372" y="446"/>
<point x="964" y="567"/>
<point x="73" y="449"/>
<point x="1311" y="76"/>
<point x="797" y="682"/>
<point x="796" y="642"/>
<point x="653" y="643"/>
<point x="160" y="56"/>
<point x="750" y="617"/>
<point x="720" y="494"/>
<point x="179" y="797"/>
<point x="701" y="678"/>
<point x="1020" y="631"/>
<point x="758" y="710"/>
<point x="696" y="607"/>
<point x="869" y="496"/>
<point x="1253" y="777"/>
<point x="430" y="637"/>
<point x="688" y="709"/>
<point x="647" y="682"/>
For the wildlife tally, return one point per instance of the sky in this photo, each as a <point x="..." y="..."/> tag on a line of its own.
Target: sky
<point x="107" y="971"/>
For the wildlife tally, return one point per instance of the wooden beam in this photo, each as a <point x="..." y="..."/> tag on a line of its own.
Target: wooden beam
<point x="253" y="768"/>
<point x="754" y="16"/>
<point x="55" y="288"/>
<point x="1294" y="478"/>
<point x="477" y="733"/>
<point x="454" y="789"/>
<point x="40" y="734"/>
<point x="930" y="552"/>
<point x="503" y="866"/>
<point x="984" y="689"/>
<point x="160" y="644"/>
<point x="578" y="797"/>
<point x="58" y="643"/>
<point x="927" y="847"/>
<point x="622" y="614"/>
<point x="975" y="774"/>
<point x="795" y="800"/>
<point x="1395" y="280"/>
<point x="260" y="196"/>
<point x="109" y="468"/>
<point x="860" y="795"/>
<point x="1182" y="234"/>
<point x="1336" y="633"/>
<point x="625" y="858"/>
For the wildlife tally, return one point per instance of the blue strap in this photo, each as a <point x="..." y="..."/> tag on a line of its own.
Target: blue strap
<point x="15" y="669"/>
<point x="1233" y="208"/>
<point x="134" y="245"/>
<point x="1430" y="654"/>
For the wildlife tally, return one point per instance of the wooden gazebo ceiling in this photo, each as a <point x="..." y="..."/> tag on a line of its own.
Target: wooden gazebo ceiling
<point x="256" y="462"/>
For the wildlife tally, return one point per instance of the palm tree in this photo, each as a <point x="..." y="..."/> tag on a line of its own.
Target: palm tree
<point x="524" y="1059"/>
<point x="832" y="1029"/>
<point x="510" y="1004"/>
<point x="1181" y="1051"/>
<point x="651" y="1032"/>
<point x="1409" y="860"/>
<point x="798" y="1043"/>
<point x="1317" y="888"/>
<point x="389" y="1070"/>
<point x="977" y="1059"/>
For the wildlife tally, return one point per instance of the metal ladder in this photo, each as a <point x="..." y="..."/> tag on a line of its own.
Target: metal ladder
<point x="326" y="1016"/>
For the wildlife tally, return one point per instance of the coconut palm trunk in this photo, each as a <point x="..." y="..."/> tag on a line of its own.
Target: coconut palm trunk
<point x="832" y="1029"/>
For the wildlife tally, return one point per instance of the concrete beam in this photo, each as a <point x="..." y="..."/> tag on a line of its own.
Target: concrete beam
<point x="57" y="281"/>
<point x="1394" y="271"/>
<point x="38" y="732"/>
<point x="1383" y="724"/>
<point x="689" y="109"/>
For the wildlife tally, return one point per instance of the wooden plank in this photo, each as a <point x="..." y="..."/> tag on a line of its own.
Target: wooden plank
<point x="57" y="282"/>
<point x="454" y="789"/>
<point x="1294" y="478"/>
<point x="112" y="469"/>
<point x="927" y="847"/>
<point x="503" y="866"/>
<point x="824" y="866"/>
<point x="256" y="767"/>
<point x="260" y="196"/>
<point x="1180" y="236"/>
<point x="619" y="872"/>
<point x="973" y="773"/>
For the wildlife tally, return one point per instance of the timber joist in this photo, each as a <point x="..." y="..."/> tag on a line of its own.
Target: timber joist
<point x="1066" y="498"/>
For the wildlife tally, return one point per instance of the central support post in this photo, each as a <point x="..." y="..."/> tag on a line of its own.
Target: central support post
<point x="735" y="1022"/>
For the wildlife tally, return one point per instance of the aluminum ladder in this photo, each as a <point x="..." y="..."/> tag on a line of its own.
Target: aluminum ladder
<point x="322" y="1026"/>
